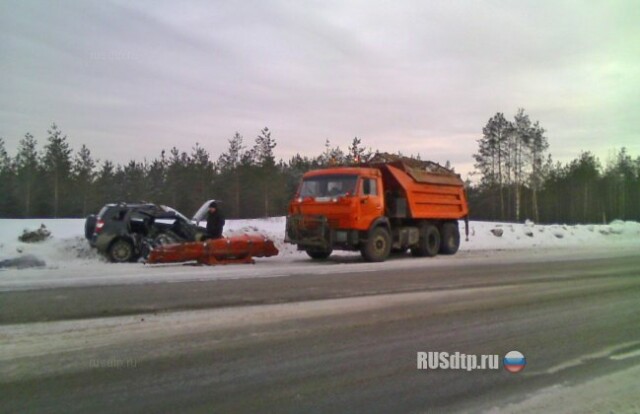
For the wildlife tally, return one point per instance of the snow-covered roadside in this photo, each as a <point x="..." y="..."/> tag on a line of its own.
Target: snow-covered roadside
<point x="486" y="235"/>
<point x="67" y="246"/>
<point x="70" y="261"/>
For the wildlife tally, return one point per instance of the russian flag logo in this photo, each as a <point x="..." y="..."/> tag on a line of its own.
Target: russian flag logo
<point x="514" y="361"/>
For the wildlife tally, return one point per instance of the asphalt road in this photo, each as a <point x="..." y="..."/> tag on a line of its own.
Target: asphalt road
<point x="319" y="343"/>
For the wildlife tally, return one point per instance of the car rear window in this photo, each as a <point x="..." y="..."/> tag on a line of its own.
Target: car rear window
<point x="103" y="212"/>
<point x="112" y="213"/>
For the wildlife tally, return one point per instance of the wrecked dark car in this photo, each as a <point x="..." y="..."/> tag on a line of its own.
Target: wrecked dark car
<point x="125" y="232"/>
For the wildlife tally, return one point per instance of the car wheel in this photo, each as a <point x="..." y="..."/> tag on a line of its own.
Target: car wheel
<point x="121" y="251"/>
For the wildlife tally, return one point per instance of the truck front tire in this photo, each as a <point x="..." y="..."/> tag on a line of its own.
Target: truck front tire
<point x="429" y="242"/>
<point x="450" y="238"/>
<point x="377" y="246"/>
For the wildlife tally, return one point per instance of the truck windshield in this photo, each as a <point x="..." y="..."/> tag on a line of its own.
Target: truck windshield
<point x="328" y="186"/>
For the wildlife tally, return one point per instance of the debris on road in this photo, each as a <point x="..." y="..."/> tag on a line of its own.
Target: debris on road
<point x="35" y="236"/>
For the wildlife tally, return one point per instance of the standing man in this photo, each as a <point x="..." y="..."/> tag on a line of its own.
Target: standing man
<point x="215" y="221"/>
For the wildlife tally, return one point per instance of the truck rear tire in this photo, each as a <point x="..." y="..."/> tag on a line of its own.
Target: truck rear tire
<point x="378" y="245"/>
<point x="429" y="242"/>
<point x="319" y="254"/>
<point x="450" y="238"/>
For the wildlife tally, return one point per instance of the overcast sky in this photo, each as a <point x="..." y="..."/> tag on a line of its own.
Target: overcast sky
<point x="129" y="78"/>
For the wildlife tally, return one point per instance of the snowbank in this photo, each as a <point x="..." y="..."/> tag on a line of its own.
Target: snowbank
<point x="485" y="235"/>
<point x="67" y="246"/>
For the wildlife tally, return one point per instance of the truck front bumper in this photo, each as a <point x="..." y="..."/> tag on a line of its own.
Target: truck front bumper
<point x="315" y="232"/>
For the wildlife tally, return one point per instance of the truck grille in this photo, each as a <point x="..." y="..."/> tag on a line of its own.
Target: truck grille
<point x="308" y="230"/>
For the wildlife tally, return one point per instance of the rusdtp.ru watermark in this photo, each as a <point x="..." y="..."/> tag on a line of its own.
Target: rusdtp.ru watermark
<point x="513" y="361"/>
<point x="457" y="361"/>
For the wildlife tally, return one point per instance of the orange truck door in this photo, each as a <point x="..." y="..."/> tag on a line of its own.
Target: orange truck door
<point x="371" y="201"/>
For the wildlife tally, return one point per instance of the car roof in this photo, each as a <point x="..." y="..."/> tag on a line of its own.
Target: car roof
<point x="128" y="205"/>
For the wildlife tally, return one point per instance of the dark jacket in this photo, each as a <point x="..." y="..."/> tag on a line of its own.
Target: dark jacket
<point x="215" y="224"/>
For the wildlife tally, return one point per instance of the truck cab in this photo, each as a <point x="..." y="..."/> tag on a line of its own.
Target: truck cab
<point x="332" y="209"/>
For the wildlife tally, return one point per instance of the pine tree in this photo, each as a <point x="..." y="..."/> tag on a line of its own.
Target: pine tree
<point x="230" y="166"/>
<point x="84" y="175"/>
<point x="231" y="159"/>
<point x="296" y="167"/>
<point x="7" y="181"/>
<point x="177" y="180"/>
<point x="5" y="161"/>
<point x="201" y="175"/>
<point x="156" y="180"/>
<point x="57" y="166"/>
<point x="623" y="175"/>
<point x="492" y="156"/>
<point x="264" y="158"/>
<point x="538" y="146"/>
<point x="106" y="186"/>
<point x="519" y="140"/>
<point x="27" y="166"/>
<point x="263" y="149"/>
<point x="548" y="188"/>
<point x="133" y="186"/>
<point x="582" y="175"/>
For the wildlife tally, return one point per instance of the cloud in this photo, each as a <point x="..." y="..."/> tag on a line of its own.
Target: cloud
<point x="419" y="77"/>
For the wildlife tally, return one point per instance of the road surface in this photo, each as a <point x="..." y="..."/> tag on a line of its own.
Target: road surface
<point x="320" y="343"/>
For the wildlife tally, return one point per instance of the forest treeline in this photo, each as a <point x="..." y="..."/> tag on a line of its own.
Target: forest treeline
<point x="518" y="179"/>
<point x="55" y="181"/>
<point x="515" y="178"/>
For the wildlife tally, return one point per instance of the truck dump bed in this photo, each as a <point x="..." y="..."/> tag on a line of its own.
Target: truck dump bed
<point x="420" y="189"/>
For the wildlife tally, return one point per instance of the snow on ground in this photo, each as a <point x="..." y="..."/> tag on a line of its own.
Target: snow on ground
<point x="484" y="235"/>
<point x="68" y="259"/>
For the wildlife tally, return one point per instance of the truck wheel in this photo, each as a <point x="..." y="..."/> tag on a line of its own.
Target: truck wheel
<point x="429" y="242"/>
<point x="121" y="251"/>
<point x="450" y="238"/>
<point x="319" y="254"/>
<point x="378" y="245"/>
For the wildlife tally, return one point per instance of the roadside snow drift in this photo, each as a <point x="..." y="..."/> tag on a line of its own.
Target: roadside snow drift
<point x="67" y="247"/>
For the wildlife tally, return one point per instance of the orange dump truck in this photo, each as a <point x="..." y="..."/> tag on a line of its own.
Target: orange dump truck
<point x="389" y="204"/>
